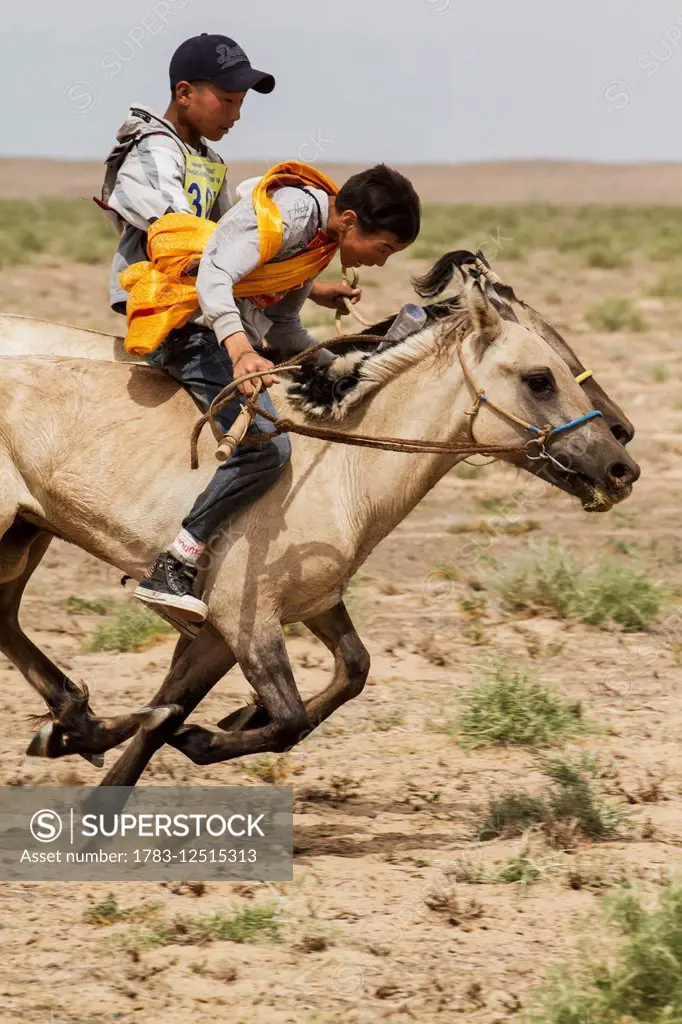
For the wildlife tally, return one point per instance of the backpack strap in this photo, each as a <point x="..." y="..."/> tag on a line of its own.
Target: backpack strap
<point x="123" y="147"/>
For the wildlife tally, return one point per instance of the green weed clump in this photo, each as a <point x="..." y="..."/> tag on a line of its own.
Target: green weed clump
<point x="253" y="924"/>
<point x="551" y="581"/>
<point x="605" y="257"/>
<point x="129" y="629"/>
<point x="509" y="707"/>
<point x="638" y="980"/>
<point x="615" y="315"/>
<point x="520" y="868"/>
<point x="571" y="806"/>
<point x="108" y="912"/>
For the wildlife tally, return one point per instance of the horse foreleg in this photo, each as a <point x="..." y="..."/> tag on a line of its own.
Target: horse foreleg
<point x="197" y="666"/>
<point x="281" y="719"/>
<point x="351" y="667"/>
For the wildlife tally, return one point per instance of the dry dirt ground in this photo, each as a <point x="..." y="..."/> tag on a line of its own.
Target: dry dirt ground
<point x="375" y="926"/>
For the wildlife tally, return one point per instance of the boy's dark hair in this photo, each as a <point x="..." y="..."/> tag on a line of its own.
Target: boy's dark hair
<point x="383" y="200"/>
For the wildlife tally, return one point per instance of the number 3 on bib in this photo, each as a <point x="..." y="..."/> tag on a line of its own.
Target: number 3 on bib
<point x="203" y="181"/>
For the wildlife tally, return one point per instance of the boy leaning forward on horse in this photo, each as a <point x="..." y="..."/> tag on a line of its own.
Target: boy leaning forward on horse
<point x="256" y="267"/>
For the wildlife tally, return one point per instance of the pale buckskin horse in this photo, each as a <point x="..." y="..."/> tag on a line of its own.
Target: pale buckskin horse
<point x="96" y="452"/>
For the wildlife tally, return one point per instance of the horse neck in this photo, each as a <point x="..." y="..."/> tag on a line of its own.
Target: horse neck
<point x="376" y="490"/>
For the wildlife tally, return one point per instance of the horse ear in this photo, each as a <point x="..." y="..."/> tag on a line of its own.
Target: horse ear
<point x="486" y="321"/>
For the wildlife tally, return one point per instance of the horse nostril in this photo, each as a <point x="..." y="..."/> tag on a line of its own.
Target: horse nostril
<point x="621" y="472"/>
<point x="620" y="433"/>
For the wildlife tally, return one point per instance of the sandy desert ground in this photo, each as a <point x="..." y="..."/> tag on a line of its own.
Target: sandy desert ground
<point x="396" y="912"/>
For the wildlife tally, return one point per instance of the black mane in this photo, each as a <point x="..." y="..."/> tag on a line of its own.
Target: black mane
<point x="322" y="387"/>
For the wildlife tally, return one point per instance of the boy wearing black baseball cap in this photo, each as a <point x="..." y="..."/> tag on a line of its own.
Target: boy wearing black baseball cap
<point x="163" y="164"/>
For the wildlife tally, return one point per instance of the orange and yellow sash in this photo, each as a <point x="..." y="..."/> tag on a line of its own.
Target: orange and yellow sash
<point x="162" y="296"/>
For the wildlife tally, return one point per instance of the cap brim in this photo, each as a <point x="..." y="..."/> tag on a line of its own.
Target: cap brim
<point x="241" y="79"/>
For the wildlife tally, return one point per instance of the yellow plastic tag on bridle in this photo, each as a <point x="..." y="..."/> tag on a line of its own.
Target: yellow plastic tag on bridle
<point x="203" y="181"/>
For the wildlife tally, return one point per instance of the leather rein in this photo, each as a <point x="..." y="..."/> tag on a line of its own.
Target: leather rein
<point x="533" y="448"/>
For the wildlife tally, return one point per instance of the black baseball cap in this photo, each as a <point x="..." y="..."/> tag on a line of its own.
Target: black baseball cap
<point x="217" y="59"/>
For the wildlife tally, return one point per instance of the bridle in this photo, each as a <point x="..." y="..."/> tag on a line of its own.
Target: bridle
<point x="541" y="434"/>
<point x="250" y="408"/>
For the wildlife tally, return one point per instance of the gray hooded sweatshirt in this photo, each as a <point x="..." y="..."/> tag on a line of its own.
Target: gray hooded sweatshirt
<point x="144" y="180"/>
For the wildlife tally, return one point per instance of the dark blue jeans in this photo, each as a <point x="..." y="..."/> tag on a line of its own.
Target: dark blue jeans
<point x="194" y="357"/>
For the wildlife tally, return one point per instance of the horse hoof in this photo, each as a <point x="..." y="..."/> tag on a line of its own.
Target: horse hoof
<point x="96" y="760"/>
<point x="250" y="717"/>
<point x="42" y="742"/>
<point x="153" y="718"/>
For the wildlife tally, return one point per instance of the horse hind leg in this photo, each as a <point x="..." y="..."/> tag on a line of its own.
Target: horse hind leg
<point x="72" y="725"/>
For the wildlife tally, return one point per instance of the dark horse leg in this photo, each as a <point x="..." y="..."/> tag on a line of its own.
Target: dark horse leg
<point x="281" y="721"/>
<point x="73" y="727"/>
<point x="351" y="666"/>
<point x="196" y="668"/>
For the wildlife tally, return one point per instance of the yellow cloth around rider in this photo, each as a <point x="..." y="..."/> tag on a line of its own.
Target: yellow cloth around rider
<point x="162" y="295"/>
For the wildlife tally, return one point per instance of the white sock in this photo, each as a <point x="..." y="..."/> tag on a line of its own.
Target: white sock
<point x="187" y="548"/>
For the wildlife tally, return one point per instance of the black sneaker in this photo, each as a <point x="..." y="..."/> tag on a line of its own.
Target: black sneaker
<point x="170" y="583"/>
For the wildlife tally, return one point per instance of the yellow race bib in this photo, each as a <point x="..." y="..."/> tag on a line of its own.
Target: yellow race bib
<point x="203" y="181"/>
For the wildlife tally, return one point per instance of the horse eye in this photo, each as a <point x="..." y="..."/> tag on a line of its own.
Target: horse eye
<point x="540" y="383"/>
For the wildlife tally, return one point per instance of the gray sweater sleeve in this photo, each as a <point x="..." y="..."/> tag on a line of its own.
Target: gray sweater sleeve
<point x="234" y="251"/>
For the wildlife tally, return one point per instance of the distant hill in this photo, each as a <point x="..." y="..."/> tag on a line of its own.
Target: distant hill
<point x="506" y="181"/>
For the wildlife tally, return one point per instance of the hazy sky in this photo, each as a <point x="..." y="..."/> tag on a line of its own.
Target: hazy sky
<point x="401" y="80"/>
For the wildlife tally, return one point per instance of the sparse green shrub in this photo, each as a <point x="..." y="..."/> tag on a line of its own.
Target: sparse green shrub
<point x="669" y="285"/>
<point x="133" y="626"/>
<point x="387" y="720"/>
<point x="511" y="815"/>
<point x="271" y="769"/>
<point x="520" y="867"/>
<point x="108" y="912"/>
<point x="551" y="581"/>
<point x="634" y="977"/>
<point x="573" y="798"/>
<point x="615" y="315"/>
<point x="618" y="595"/>
<point x="252" y="924"/>
<point x="570" y="806"/>
<point x="508" y="706"/>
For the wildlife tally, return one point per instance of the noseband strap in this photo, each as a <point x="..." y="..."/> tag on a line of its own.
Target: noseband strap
<point x="541" y="434"/>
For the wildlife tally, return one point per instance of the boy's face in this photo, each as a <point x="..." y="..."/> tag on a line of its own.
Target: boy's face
<point x="358" y="249"/>
<point x="208" y="110"/>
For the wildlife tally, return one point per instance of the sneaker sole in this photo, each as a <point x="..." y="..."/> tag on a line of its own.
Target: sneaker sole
<point x="191" y="609"/>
